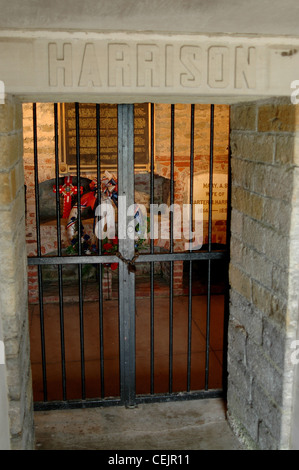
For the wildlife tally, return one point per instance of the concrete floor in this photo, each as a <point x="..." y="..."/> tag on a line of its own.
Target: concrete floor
<point x="191" y="425"/>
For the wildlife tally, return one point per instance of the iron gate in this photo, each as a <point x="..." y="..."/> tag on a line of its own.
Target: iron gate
<point x="126" y="277"/>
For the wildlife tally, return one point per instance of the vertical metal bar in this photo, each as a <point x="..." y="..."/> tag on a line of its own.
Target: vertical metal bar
<point x="77" y="115"/>
<point x="79" y="251"/>
<point x="172" y="176"/>
<point x="209" y="249"/>
<point x="60" y="287"/>
<point x="127" y="249"/>
<point x="100" y="252"/>
<point x="190" y="262"/>
<point x="152" y="182"/>
<point x="38" y="242"/>
<point x="171" y="251"/>
<point x="226" y="295"/>
<point x="25" y="198"/>
<point x="37" y="216"/>
<point x="152" y="252"/>
<point x="211" y="177"/>
<point x="57" y="181"/>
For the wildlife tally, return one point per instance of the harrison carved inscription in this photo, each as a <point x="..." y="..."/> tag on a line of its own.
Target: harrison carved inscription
<point x="151" y="66"/>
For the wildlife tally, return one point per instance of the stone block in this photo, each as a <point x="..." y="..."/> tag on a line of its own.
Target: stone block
<point x="247" y="202"/>
<point x="13" y="295"/>
<point x="280" y="278"/>
<point x="236" y="223"/>
<point x="236" y="250"/>
<point x="12" y="253"/>
<point x="16" y="443"/>
<point x="18" y="118"/>
<point x="261" y="298"/>
<point x="259" y="179"/>
<point x="287" y="150"/>
<point x="254" y="234"/>
<point x="278" y="118"/>
<point x="11" y="327"/>
<point x="265" y="439"/>
<point x="18" y="365"/>
<point x="10" y="183"/>
<point x="14" y="378"/>
<point x="277" y="248"/>
<point x="243" y="117"/>
<point x="16" y="414"/>
<point x="5" y="189"/>
<point x="265" y="371"/>
<point x="12" y="346"/>
<point x="274" y="342"/>
<point x="13" y="215"/>
<point x="277" y="214"/>
<point x="240" y="281"/>
<point x="10" y="148"/>
<point x="240" y="379"/>
<point x="247" y="316"/>
<point x="253" y="147"/>
<point x="242" y="417"/>
<point x="268" y="412"/>
<point x="279" y="182"/>
<point x="258" y="267"/>
<point x="279" y="308"/>
<point x="237" y="338"/>
<point x="242" y="173"/>
<point x="7" y="116"/>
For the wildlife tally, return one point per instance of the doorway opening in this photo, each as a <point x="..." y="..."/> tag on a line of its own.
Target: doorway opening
<point x="122" y="320"/>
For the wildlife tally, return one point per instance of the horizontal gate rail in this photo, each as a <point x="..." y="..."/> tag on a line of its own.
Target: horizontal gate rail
<point x="202" y="256"/>
<point x="139" y="400"/>
<point x="75" y="404"/>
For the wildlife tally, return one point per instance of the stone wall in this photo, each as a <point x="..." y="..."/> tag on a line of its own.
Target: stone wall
<point x="13" y="278"/>
<point x="263" y="271"/>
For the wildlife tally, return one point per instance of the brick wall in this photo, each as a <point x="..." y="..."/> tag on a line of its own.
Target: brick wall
<point x="13" y="278"/>
<point x="263" y="279"/>
<point x="201" y="152"/>
<point x="46" y="171"/>
<point x="182" y="162"/>
<point x="45" y="133"/>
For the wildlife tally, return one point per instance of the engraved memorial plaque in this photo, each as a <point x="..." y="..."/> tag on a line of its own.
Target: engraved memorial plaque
<point x="108" y="137"/>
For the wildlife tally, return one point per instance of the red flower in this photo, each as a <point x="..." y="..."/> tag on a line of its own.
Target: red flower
<point x="107" y="246"/>
<point x="115" y="241"/>
<point x="114" y="266"/>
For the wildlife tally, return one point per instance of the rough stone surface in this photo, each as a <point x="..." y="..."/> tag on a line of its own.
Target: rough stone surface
<point x="263" y="298"/>
<point x="193" y="425"/>
<point x="13" y="279"/>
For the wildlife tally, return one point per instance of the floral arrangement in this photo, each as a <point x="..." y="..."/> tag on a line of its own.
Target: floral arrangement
<point x="109" y="189"/>
<point x="111" y="249"/>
